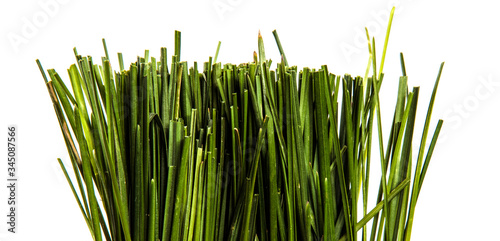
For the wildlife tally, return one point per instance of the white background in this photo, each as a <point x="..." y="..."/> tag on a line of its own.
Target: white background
<point x="459" y="199"/>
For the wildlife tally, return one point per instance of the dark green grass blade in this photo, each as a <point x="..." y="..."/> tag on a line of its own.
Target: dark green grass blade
<point x="278" y="42"/>
<point x="429" y="154"/>
<point x="253" y="176"/>
<point x="416" y="182"/>
<point x="89" y="225"/>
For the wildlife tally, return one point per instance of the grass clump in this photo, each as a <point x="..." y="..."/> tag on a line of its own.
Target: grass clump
<point x="163" y="151"/>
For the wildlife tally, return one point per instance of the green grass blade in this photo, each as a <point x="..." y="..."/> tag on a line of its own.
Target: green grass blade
<point x="416" y="182"/>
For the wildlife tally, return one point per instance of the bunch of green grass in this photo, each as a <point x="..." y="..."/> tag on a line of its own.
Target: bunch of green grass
<point x="237" y="152"/>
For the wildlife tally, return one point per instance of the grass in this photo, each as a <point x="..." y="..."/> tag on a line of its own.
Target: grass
<point x="161" y="151"/>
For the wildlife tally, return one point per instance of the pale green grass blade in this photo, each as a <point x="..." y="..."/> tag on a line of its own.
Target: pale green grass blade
<point x="386" y="41"/>
<point x="217" y="52"/>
